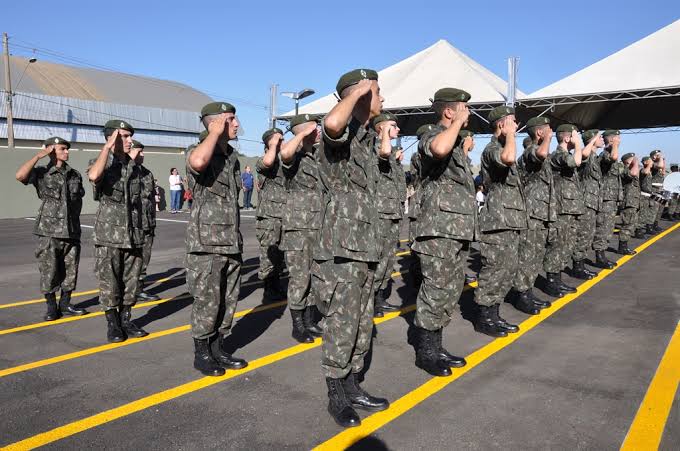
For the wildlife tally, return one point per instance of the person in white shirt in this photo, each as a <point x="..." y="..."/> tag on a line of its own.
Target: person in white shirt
<point x="175" y="190"/>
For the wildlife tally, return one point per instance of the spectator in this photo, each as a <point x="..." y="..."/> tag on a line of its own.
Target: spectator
<point x="188" y="195"/>
<point x="247" y="179"/>
<point x="480" y="196"/>
<point x="157" y="195"/>
<point x="175" y="191"/>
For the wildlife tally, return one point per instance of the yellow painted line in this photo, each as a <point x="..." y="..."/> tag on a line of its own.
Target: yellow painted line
<point x="350" y="436"/>
<point x="110" y="346"/>
<point x="404" y="241"/>
<point x="400" y="254"/>
<point x="650" y="420"/>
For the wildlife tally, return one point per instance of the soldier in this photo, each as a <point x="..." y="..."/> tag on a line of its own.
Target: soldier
<point x="270" y="207"/>
<point x="590" y="174"/>
<point x="390" y="191"/>
<point x="631" y="202"/>
<point x="501" y="220"/>
<point x="646" y="218"/>
<point x="214" y="242"/>
<point x="346" y="256"/>
<point x="118" y="230"/>
<point x="673" y="208"/>
<point x="148" y="219"/>
<point x="445" y="228"/>
<point x="541" y="203"/>
<point x="302" y="222"/>
<point x="604" y="223"/>
<point x="57" y="225"/>
<point x="658" y="175"/>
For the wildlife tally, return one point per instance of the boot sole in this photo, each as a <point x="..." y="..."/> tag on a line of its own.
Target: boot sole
<point x="432" y="373"/>
<point x="116" y="340"/>
<point x="209" y="373"/>
<point x="492" y="334"/>
<point x="370" y="409"/>
<point x="349" y="425"/>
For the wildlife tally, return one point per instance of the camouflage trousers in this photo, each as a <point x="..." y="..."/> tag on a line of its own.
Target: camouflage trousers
<point x="532" y="245"/>
<point x="500" y="259"/>
<point x="57" y="263"/>
<point x="647" y="211"/>
<point x="118" y="273"/>
<point x="629" y="219"/>
<point x="561" y="241"/>
<point x="214" y="281"/>
<point x="388" y="236"/>
<point x="604" y="229"/>
<point x="345" y="291"/>
<point x="298" y="247"/>
<point x="659" y="211"/>
<point x="442" y="263"/>
<point x="146" y="254"/>
<point x="268" y="231"/>
<point x="673" y="207"/>
<point x="585" y="233"/>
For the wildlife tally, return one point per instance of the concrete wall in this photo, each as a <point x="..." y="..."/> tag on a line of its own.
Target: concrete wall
<point x="20" y="201"/>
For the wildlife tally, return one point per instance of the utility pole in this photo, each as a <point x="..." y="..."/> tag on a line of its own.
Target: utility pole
<point x="513" y="64"/>
<point x="8" y="93"/>
<point x="273" y="94"/>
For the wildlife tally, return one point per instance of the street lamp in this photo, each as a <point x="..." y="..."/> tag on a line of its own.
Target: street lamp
<point x="8" y="89"/>
<point x="298" y="95"/>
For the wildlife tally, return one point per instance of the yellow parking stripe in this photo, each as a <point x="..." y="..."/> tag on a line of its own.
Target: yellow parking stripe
<point x="647" y="428"/>
<point x="350" y="436"/>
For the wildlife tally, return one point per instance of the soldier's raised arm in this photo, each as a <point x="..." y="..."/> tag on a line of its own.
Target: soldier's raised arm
<point x="444" y="142"/>
<point x="201" y="154"/>
<point x="24" y="172"/>
<point x="337" y="119"/>
<point x="95" y="172"/>
<point x="578" y="147"/>
<point x="508" y="128"/>
<point x="272" y="139"/>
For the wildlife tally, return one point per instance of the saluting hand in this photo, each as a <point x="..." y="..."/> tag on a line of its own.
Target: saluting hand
<point x="218" y="126"/>
<point x="399" y="155"/>
<point x="112" y="141"/>
<point x="308" y="129"/>
<point x="467" y="144"/>
<point x="45" y="151"/>
<point x="363" y="87"/>
<point x="462" y="115"/>
<point x="510" y="126"/>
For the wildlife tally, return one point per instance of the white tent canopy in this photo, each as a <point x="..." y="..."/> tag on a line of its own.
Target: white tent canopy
<point x="409" y="84"/>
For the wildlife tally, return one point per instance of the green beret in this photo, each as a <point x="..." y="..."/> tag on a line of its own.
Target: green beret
<point x="217" y="108"/>
<point x="627" y="156"/>
<point x="424" y="129"/>
<point x="301" y="119"/>
<point x="382" y="117"/>
<point x="589" y="134"/>
<point x="500" y="112"/>
<point x="674" y="165"/>
<point x="56" y="140"/>
<point x="203" y="135"/>
<point x="645" y="158"/>
<point x="119" y="124"/>
<point x="654" y="153"/>
<point x="137" y="145"/>
<point x="269" y="133"/>
<point x="537" y="121"/>
<point x="610" y="132"/>
<point x="465" y="133"/>
<point x="566" y="128"/>
<point x="451" y="95"/>
<point x="526" y="142"/>
<point x="353" y="77"/>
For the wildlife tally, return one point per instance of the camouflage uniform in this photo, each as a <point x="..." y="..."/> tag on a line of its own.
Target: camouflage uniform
<point x="541" y="204"/>
<point x="445" y="228"/>
<point x="414" y="202"/>
<point x="118" y="231"/>
<point x="57" y="225"/>
<point x="562" y="233"/>
<point x="270" y="207"/>
<point x="631" y="205"/>
<point x="346" y="254"/>
<point x="590" y="173"/>
<point x="214" y="243"/>
<point x="657" y="185"/>
<point x="148" y="218"/>
<point x="301" y="224"/>
<point x="647" y="205"/>
<point x="611" y="195"/>
<point x="501" y="220"/>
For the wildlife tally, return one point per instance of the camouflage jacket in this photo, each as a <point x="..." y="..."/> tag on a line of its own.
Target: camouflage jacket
<point x="348" y="170"/>
<point x="148" y="199"/>
<point x="61" y="192"/>
<point x="505" y="206"/>
<point x="214" y="225"/>
<point x="611" y="186"/>
<point x="414" y="202"/>
<point x="539" y="185"/>
<point x="631" y="189"/>
<point x="119" y="215"/>
<point x="271" y="199"/>
<point x="447" y="203"/>
<point x="389" y="188"/>
<point x="567" y="185"/>
<point x="646" y="183"/>
<point x="590" y="173"/>
<point x="658" y="177"/>
<point x="304" y="192"/>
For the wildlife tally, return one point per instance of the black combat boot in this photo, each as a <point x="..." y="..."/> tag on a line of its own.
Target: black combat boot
<point x="427" y="354"/>
<point x="310" y="322"/>
<point x="552" y="286"/>
<point x="203" y="359"/>
<point x="114" y="333"/>
<point x="502" y="323"/>
<point x="541" y="304"/>
<point x="656" y="228"/>
<point x="649" y="229"/>
<point x="224" y="358"/>
<point x="639" y="233"/>
<point x="300" y="333"/>
<point x="449" y="359"/>
<point x="129" y="327"/>
<point x="339" y="406"/>
<point x="272" y="289"/>
<point x="52" y="310"/>
<point x="485" y="322"/>
<point x="145" y="297"/>
<point x="601" y="261"/>
<point x="563" y="286"/>
<point x="593" y="274"/>
<point x="624" y="249"/>
<point x="524" y="303"/>
<point x="578" y="270"/>
<point x="65" y="305"/>
<point x="358" y="397"/>
<point x="381" y="304"/>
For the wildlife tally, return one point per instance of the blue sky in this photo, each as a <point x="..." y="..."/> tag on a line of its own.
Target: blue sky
<point x="236" y="50"/>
